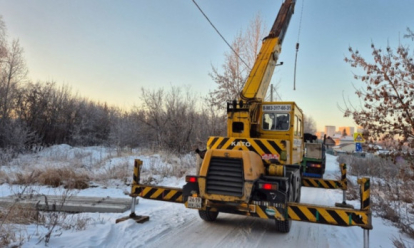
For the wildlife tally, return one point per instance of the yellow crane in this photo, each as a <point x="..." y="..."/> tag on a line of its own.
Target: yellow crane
<point x="256" y="169"/>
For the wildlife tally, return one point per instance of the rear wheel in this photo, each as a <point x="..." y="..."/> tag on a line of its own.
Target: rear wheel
<point x="299" y="191"/>
<point x="208" y="215"/>
<point x="283" y="226"/>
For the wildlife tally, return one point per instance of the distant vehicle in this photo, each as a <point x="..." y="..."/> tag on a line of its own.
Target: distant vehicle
<point x="314" y="159"/>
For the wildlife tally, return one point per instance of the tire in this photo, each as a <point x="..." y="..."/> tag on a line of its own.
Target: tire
<point x="283" y="226"/>
<point x="299" y="191"/>
<point x="208" y="215"/>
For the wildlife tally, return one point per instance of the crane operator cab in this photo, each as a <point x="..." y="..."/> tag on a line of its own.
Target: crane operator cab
<point x="273" y="121"/>
<point x="283" y="121"/>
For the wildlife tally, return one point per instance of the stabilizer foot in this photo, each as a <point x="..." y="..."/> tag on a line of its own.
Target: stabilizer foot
<point x="344" y="205"/>
<point x="138" y="218"/>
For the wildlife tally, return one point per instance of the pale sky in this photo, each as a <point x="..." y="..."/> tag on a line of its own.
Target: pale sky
<point x="107" y="50"/>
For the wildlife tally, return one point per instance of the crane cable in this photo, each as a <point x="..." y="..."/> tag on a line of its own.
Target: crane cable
<point x="221" y="35"/>
<point x="297" y="45"/>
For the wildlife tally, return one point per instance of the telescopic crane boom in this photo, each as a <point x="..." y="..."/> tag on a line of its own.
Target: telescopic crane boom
<point x="262" y="71"/>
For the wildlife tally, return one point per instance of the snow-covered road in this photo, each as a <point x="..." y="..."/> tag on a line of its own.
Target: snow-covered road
<point x="173" y="225"/>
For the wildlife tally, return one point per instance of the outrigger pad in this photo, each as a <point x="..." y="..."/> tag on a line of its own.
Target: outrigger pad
<point x="344" y="205"/>
<point x="137" y="218"/>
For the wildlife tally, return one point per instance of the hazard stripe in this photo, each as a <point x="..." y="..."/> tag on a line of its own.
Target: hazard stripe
<point x="321" y="183"/>
<point x="319" y="216"/>
<point x="329" y="215"/>
<point x="135" y="176"/>
<point x="236" y="141"/>
<point x="255" y="147"/>
<point x="263" y="147"/>
<point x="337" y="217"/>
<point x="366" y="202"/>
<point x="222" y="143"/>
<point x="212" y="142"/>
<point x="365" y="193"/>
<point x="325" y="217"/>
<point x="135" y="179"/>
<point x="343" y="172"/>
<point x="147" y="192"/>
<point x="159" y="193"/>
<point x="261" y="212"/>
<point x="299" y="215"/>
<point x="260" y="146"/>
<point x="275" y="146"/>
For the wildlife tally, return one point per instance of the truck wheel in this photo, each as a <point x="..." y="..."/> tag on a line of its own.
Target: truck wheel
<point x="283" y="226"/>
<point x="208" y="215"/>
<point x="299" y="190"/>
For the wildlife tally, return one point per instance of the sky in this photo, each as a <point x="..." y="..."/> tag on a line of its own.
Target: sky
<point x="108" y="50"/>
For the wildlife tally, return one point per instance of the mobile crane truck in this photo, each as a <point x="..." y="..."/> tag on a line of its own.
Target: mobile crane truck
<point x="258" y="161"/>
<point x="256" y="170"/>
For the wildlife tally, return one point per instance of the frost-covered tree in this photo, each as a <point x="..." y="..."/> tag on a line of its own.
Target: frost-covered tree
<point x="309" y="125"/>
<point x="237" y="64"/>
<point x="387" y="110"/>
<point x="13" y="72"/>
<point x="171" y="118"/>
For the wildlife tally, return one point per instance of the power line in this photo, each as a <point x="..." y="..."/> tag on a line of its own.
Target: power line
<point x="220" y="34"/>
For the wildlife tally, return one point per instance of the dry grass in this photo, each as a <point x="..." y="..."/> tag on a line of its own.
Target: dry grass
<point x="66" y="177"/>
<point x="76" y="222"/>
<point x="352" y="192"/>
<point x="4" y="178"/>
<point x="55" y="177"/>
<point x="7" y="236"/>
<point x="18" y="214"/>
<point x="391" y="189"/>
<point x="121" y="171"/>
<point x="400" y="243"/>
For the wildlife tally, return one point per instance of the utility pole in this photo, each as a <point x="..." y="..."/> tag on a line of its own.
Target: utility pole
<point x="271" y="92"/>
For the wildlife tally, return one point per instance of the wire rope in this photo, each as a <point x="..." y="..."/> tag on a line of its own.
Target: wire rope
<point x="221" y="35"/>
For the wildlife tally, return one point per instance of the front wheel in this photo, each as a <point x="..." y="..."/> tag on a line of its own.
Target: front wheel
<point x="208" y="215"/>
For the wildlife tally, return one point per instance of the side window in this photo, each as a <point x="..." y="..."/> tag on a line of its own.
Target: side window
<point x="296" y="125"/>
<point x="299" y="127"/>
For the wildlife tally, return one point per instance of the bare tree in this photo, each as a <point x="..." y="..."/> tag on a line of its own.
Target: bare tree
<point x="127" y="130"/>
<point x="387" y="110"/>
<point x="237" y="64"/>
<point x="12" y="72"/>
<point x="91" y="123"/>
<point x="344" y="134"/>
<point x="410" y="34"/>
<point x="172" y="118"/>
<point x="3" y="52"/>
<point x="309" y="125"/>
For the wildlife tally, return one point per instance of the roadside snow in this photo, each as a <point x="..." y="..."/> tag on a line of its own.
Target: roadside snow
<point x="173" y="225"/>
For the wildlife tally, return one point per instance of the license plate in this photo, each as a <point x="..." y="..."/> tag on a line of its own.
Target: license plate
<point x="194" y="202"/>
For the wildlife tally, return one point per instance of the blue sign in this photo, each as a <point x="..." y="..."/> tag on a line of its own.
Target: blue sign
<point x="358" y="147"/>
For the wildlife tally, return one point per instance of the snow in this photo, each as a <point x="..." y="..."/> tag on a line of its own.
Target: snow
<point x="173" y="225"/>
